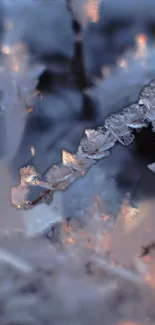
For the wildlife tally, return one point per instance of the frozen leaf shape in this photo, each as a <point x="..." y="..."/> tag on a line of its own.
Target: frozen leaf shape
<point x="70" y="160"/>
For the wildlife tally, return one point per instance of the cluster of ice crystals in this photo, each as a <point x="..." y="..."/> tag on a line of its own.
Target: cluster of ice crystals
<point x="96" y="143"/>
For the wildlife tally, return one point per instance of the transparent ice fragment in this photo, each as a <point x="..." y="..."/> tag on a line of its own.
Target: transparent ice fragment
<point x="29" y="176"/>
<point x="137" y="124"/>
<point x="69" y="160"/>
<point x="58" y="173"/>
<point x="151" y="167"/>
<point x="99" y="155"/>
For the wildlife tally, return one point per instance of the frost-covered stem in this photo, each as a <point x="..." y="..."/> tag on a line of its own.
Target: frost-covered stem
<point x="95" y="146"/>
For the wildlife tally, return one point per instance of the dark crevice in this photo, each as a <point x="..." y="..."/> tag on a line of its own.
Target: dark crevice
<point x="144" y="144"/>
<point x="78" y="68"/>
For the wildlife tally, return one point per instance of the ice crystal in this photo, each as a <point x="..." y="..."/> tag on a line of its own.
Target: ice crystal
<point x="96" y="144"/>
<point x="29" y="176"/>
<point x="152" y="167"/>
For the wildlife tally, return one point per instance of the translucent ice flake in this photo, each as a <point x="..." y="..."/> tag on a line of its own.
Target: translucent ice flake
<point x="151" y="167"/>
<point x="58" y="174"/>
<point x="70" y="160"/>
<point x="99" y="155"/>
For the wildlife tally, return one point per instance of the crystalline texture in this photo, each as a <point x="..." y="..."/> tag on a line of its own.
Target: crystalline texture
<point x="95" y="145"/>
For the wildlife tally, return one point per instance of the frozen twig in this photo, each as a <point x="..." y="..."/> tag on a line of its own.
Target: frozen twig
<point x="94" y="146"/>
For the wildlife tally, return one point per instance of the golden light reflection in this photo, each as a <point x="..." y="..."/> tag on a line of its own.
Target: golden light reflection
<point x="68" y="158"/>
<point x="141" y="42"/>
<point x="15" y="67"/>
<point x="129" y="216"/>
<point x="70" y="240"/>
<point x="106" y="242"/>
<point x="92" y="10"/>
<point x="123" y="63"/>
<point x="150" y="279"/>
<point x="128" y="323"/>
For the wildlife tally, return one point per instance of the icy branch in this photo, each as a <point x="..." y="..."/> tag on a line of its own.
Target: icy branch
<point x="94" y="146"/>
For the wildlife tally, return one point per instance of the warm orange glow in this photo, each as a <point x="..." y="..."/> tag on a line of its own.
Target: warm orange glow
<point x="6" y="49"/>
<point x="106" y="242"/>
<point x="123" y="63"/>
<point x="70" y="241"/>
<point x="67" y="228"/>
<point x="84" y="235"/>
<point x="128" y="323"/>
<point x="68" y="158"/>
<point x="92" y="10"/>
<point x="141" y="41"/>
<point x="105" y="218"/>
<point x="90" y="244"/>
<point x="147" y="259"/>
<point x="129" y="216"/>
<point x="151" y="280"/>
<point x="30" y="110"/>
<point x="15" y="67"/>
